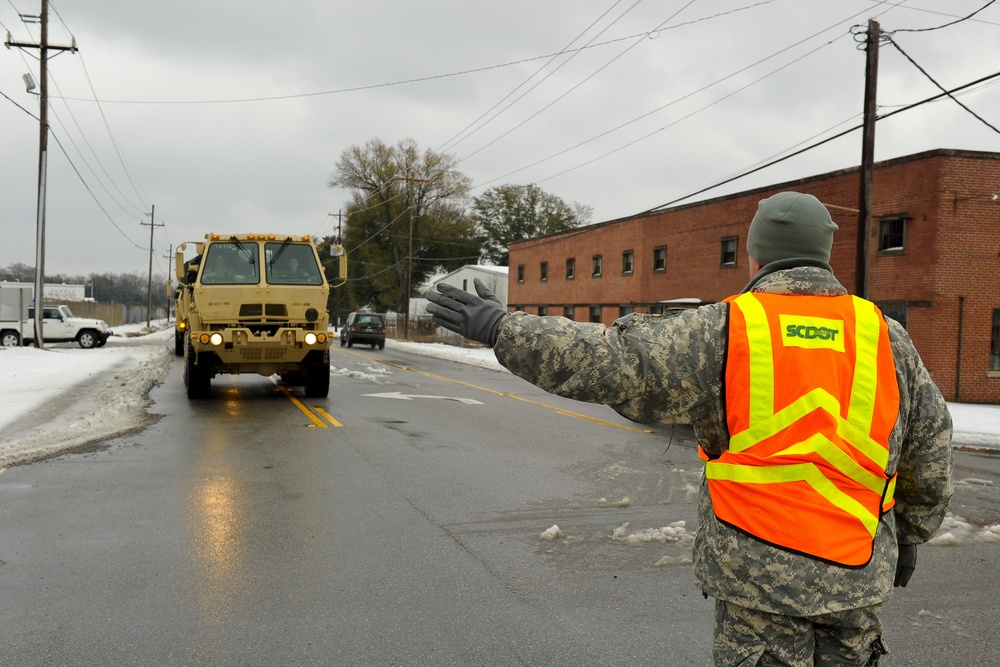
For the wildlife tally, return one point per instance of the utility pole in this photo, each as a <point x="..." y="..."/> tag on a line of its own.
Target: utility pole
<point x="43" y="140"/>
<point x="867" y="159"/>
<point x="149" y="283"/>
<point x="409" y="256"/>
<point x="169" y="257"/>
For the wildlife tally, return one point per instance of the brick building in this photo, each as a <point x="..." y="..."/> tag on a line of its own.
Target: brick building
<point x="934" y="259"/>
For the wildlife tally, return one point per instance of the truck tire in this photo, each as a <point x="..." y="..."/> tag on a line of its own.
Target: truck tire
<point x="318" y="379"/>
<point x="10" y="339"/>
<point x="88" y="338"/>
<point x="196" y="377"/>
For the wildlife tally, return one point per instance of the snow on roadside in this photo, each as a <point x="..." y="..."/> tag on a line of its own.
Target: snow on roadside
<point x="114" y="380"/>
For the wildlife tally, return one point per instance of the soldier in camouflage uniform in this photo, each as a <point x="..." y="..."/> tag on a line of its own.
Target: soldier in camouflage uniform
<point x="773" y="606"/>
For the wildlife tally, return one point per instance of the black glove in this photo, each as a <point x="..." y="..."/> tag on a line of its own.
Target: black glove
<point x="905" y="564"/>
<point x="475" y="317"/>
<point x="487" y="294"/>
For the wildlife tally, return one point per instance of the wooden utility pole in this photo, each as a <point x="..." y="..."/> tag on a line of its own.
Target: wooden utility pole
<point x="149" y="283"/>
<point x="867" y="159"/>
<point x="409" y="255"/>
<point x="43" y="141"/>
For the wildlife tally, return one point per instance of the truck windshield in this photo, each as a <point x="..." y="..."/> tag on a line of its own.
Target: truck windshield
<point x="230" y="264"/>
<point x="291" y="264"/>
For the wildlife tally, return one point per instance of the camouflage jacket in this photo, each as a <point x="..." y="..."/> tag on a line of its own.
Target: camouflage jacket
<point x="669" y="368"/>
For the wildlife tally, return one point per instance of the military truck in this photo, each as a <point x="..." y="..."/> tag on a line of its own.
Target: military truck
<point x="254" y="303"/>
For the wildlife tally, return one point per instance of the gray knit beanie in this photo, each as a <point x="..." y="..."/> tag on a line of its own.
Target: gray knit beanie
<point x="790" y="225"/>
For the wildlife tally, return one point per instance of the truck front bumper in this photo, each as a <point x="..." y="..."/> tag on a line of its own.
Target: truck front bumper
<point x="240" y="346"/>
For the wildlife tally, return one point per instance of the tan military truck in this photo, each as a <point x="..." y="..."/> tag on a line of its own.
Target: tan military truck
<point x="254" y="303"/>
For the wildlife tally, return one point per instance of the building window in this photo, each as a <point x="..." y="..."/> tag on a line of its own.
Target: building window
<point x="660" y="259"/>
<point x="728" y="251"/>
<point x="598" y="262"/>
<point x="543" y="271"/>
<point x="656" y="310"/>
<point x="520" y="273"/>
<point x="995" y="342"/>
<point x="543" y="310"/>
<point x="624" y="310"/>
<point x="570" y="268"/>
<point x="892" y="235"/>
<point x="628" y="262"/>
<point x="897" y="311"/>
<point x="595" y="313"/>
<point x="569" y="312"/>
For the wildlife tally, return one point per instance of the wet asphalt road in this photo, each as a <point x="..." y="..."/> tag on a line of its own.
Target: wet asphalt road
<point x="261" y="528"/>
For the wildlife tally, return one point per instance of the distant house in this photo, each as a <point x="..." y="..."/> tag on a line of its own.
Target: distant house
<point x="494" y="277"/>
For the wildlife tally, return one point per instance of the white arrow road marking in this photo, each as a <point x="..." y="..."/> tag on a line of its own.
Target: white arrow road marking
<point x="410" y="397"/>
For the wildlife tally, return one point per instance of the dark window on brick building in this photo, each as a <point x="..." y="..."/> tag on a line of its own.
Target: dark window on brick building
<point x="543" y="310"/>
<point x="628" y="262"/>
<point x="595" y="313"/>
<point x="596" y="266"/>
<point x="995" y="342"/>
<point x="520" y="273"/>
<point x="569" y="312"/>
<point x="570" y="268"/>
<point x="897" y="311"/>
<point x="624" y="310"/>
<point x="543" y="271"/>
<point x="728" y="251"/>
<point x="656" y="310"/>
<point x="660" y="259"/>
<point x="892" y="235"/>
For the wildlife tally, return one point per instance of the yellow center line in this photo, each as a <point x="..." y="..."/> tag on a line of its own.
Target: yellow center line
<point x="562" y="411"/>
<point x="316" y="420"/>
<point x="326" y="415"/>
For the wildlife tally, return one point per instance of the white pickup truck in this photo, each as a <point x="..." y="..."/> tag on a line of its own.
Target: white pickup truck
<point x="58" y="325"/>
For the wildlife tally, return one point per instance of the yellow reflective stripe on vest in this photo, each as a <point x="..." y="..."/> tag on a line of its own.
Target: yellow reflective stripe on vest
<point x="798" y="472"/>
<point x="835" y="456"/>
<point x="815" y="399"/>
<point x="761" y="359"/>
<point x="862" y="407"/>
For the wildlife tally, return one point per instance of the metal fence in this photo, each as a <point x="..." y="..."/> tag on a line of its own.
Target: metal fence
<point x="115" y="314"/>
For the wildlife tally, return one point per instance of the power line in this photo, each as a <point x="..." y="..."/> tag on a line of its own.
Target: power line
<point x="817" y="144"/>
<point x="449" y="145"/>
<point x="673" y="102"/>
<point x="940" y="87"/>
<point x="946" y="25"/>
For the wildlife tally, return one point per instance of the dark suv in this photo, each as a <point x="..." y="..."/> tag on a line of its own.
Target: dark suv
<point x="363" y="328"/>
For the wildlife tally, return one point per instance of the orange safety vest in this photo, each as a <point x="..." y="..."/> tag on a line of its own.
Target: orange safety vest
<point x="811" y="398"/>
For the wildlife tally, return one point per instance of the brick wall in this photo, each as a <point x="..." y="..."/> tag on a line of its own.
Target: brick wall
<point x="947" y="277"/>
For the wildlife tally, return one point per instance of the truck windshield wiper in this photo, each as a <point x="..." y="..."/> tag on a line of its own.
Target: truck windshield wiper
<point x="242" y="250"/>
<point x="285" y="244"/>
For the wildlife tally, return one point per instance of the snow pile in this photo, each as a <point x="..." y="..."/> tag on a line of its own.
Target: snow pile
<point x="116" y="381"/>
<point x="955" y="530"/>
<point x="973" y="425"/>
<point x="552" y="533"/>
<point x="375" y="375"/>
<point x="675" y="532"/>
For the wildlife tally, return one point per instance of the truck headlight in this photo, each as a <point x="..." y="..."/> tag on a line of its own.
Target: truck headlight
<point x="216" y="339"/>
<point x="310" y="338"/>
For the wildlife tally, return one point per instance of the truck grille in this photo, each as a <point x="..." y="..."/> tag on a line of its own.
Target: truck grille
<point x="259" y="354"/>
<point x="248" y="310"/>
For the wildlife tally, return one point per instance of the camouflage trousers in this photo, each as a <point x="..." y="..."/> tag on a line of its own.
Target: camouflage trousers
<point x="750" y="638"/>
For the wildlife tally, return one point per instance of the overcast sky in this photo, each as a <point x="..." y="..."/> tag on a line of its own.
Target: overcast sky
<point x="229" y="115"/>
